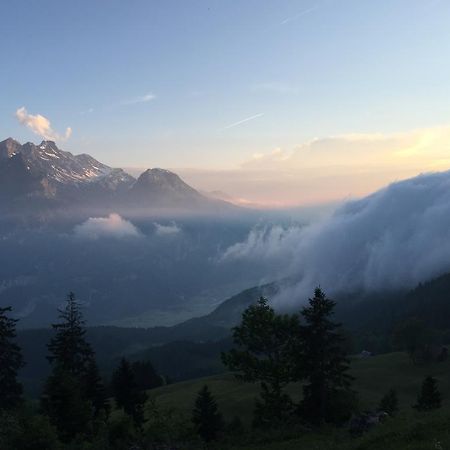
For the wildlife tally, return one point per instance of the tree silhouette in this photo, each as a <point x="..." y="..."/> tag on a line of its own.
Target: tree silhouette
<point x="69" y="349"/>
<point x="10" y="362"/>
<point x="74" y="395"/>
<point x="127" y="394"/>
<point x="389" y="402"/>
<point x="206" y="416"/>
<point x="264" y="348"/>
<point x="324" y="364"/>
<point x="429" y="397"/>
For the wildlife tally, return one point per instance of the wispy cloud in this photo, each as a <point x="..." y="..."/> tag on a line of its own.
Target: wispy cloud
<point x="142" y="99"/>
<point x="247" y="119"/>
<point x="299" y="15"/>
<point x="41" y="126"/>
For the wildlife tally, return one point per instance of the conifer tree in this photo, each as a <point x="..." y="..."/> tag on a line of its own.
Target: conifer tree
<point x="10" y="362"/>
<point x="324" y="364"/>
<point x="74" y="394"/>
<point x="66" y="406"/>
<point x="206" y="416"/>
<point x="389" y="402"/>
<point x="127" y="394"/>
<point x="429" y="397"/>
<point x="69" y="349"/>
<point x="264" y="353"/>
<point x="95" y="390"/>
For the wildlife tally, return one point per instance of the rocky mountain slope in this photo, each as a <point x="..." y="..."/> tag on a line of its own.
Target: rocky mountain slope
<point x="35" y="177"/>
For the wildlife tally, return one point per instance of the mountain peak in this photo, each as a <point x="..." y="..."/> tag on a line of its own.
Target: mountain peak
<point x="48" y="144"/>
<point x="162" y="178"/>
<point x="162" y="184"/>
<point x="8" y="148"/>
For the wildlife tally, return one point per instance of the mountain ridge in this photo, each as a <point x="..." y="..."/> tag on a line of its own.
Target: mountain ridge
<point x="46" y="177"/>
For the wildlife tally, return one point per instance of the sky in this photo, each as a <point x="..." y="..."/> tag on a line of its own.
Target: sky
<point x="276" y="103"/>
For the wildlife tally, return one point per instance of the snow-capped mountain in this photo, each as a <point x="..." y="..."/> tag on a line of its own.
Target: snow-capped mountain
<point x="56" y="165"/>
<point x="36" y="176"/>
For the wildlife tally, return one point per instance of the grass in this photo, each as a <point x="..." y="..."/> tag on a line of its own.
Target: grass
<point x="373" y="377"/>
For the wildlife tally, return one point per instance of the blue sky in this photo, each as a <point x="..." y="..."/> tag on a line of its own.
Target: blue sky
<point x="297" y="70"/>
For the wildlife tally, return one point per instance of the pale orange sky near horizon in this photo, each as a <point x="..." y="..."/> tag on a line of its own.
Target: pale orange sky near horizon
<point x="327" y="169"/>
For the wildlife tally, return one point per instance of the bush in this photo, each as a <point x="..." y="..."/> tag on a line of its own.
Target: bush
<point x="389" y="402"/>
<point x="26" y="431"/>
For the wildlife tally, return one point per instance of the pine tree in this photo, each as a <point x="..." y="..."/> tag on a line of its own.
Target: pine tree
<point x="389" y="402"/>
<point x="264" y="346"/>
<point x="95" y="390"/>
<point x="66" y="406"/>
<point x="10" y="362"/>
<point x="324" y="364"/>
<point x="429" y="397"/>
<point x="69" y="348"/>
<point x="74" y="394"/>
<point x="206" y="416"/>
<point x="127" y="394"/>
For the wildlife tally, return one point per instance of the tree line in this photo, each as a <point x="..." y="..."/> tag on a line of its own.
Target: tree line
<point x="75" y="403"/>
<point x="308" y="349"/>
<point x="77" y="408"/>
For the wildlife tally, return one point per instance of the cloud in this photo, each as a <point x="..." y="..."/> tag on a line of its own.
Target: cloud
<point x="265" y="243"/>
<point x="167" y="230"/>
<point x="113" y="226"/>
<point x="424" y="146"/>
<point x="393" y="239"/>
<point x="299" y="15"/>
<point x="142" y="99"/>
<point x="41" y="126"/>
<point x="247" y="119"/>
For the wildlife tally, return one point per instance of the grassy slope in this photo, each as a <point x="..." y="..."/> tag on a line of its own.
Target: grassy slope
<point x="373" y="377"/>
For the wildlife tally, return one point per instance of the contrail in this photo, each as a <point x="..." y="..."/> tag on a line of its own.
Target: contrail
<point x="300" y="14"/>
<point x="235" y="124"/>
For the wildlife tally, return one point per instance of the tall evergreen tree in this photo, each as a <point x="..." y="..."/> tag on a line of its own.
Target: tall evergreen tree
<point x="264" y="346"/>
<point x="95" y="390"/>
<point x="66" y="406"/>
<point x="324" y="364"/>
<point x="127" y="394"/>
<point x="10" y="362"/>
<point x="206" y="416"/>
<point x="74" y="394"/>
<point x="429" y="397"/>
<point x="69" y="349"/>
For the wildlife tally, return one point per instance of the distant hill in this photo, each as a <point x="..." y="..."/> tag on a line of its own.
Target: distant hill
<point x="192" y="348"/>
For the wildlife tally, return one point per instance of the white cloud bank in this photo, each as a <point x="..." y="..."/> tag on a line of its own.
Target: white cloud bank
<point x="392" y="239"/>
<point x="41" y="126"/>
<point x="113" y="226"/>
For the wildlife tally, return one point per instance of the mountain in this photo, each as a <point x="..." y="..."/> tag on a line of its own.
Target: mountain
<point x="42" y="177"/>
<point x="162" y="188"/>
